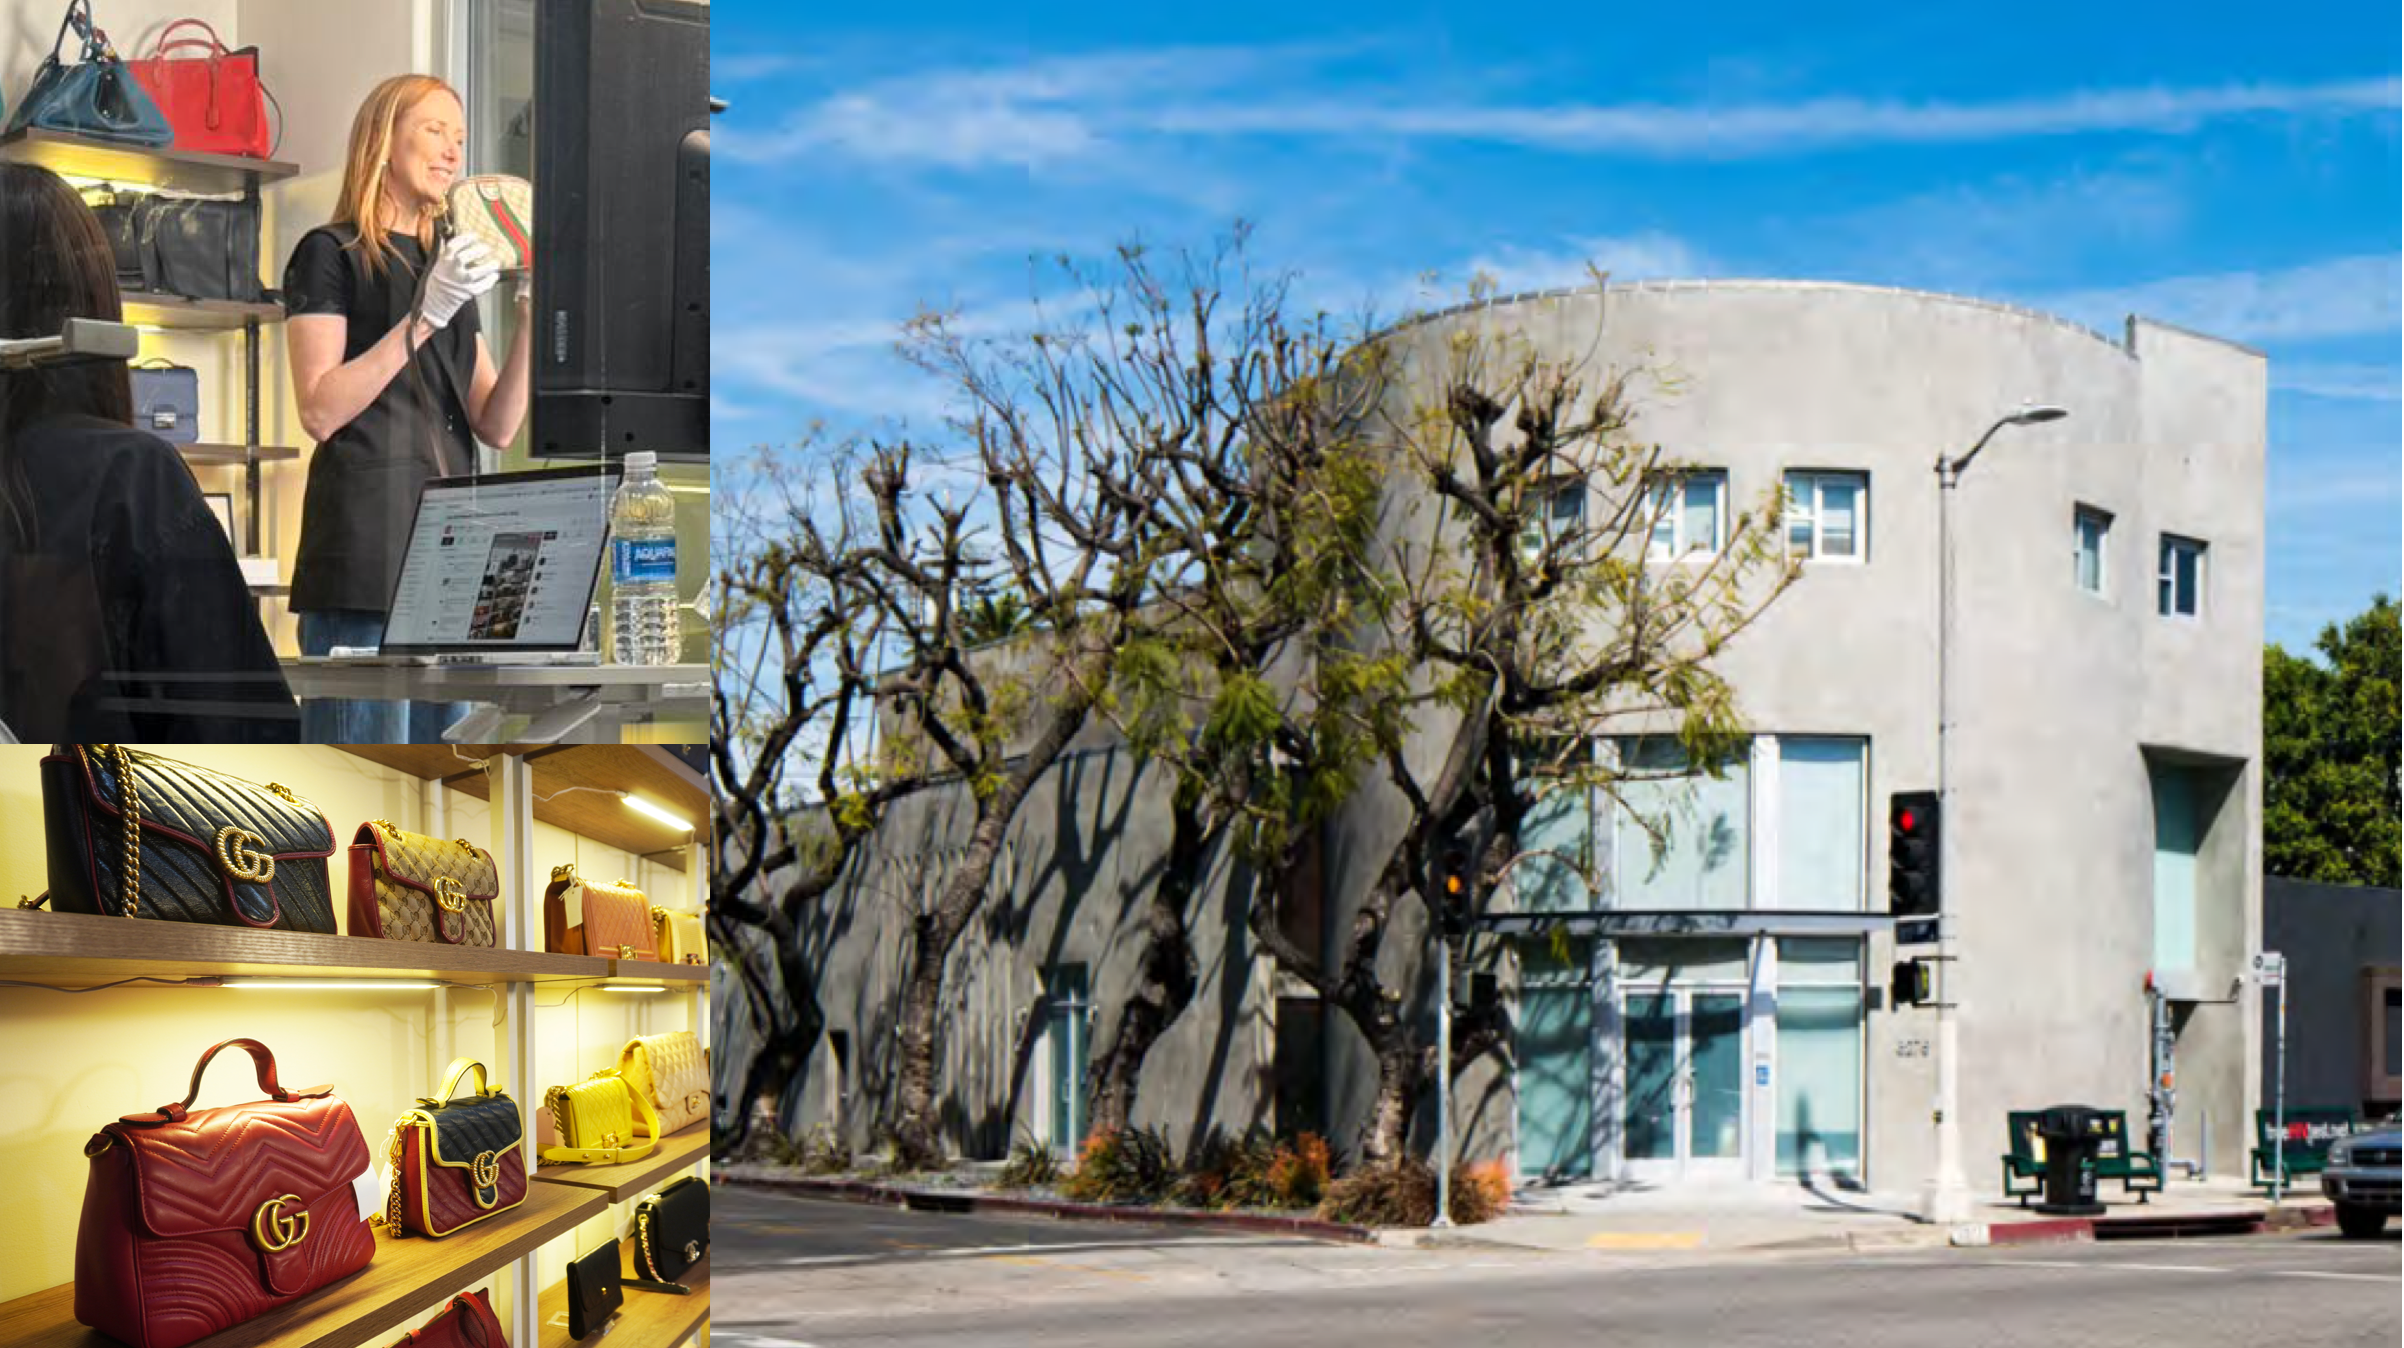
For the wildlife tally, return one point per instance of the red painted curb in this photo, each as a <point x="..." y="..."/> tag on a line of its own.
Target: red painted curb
<point x="2037" y="1232"/>
<point x="937" y="1200"/>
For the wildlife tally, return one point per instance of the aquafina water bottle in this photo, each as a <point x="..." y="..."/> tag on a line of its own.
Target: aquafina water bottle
<point x="642" y="567"/>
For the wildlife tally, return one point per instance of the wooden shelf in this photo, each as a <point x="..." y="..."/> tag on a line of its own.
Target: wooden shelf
<point x="81" y="949"/>
<point x="680" y="1151"/>
<point x="647" y="770"/>
<point x="132" y="166"/>
<point x="652" y="971"/>
<point x="369" y="1307"/>
<point x="647" y="1320"/>
<point x="174" y="311"/>
<point x="206" y="453"/>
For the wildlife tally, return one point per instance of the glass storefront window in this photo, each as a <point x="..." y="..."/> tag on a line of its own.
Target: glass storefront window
<point x="1644" y="962"/>
<point x="1819" y="959"/>
<point x="1681" y="842"/>
<point x="1822" y="829"/>
<point x="1819" y="1080"/>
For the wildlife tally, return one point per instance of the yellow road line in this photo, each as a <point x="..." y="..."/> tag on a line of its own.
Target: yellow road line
<point x="1645" y="1240"/>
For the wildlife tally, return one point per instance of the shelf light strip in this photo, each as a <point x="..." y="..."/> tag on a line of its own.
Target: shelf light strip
<point x="631" y="987"/>
<point x="378" y="985"/>
<point x="641" y="806"/>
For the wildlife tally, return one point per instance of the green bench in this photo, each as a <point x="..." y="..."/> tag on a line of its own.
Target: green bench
<point x="2139" y="1172"/>
<point x="2310" y="1130"/>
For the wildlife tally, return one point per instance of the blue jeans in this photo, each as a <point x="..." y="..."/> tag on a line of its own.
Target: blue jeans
<point x="345" y="720"/>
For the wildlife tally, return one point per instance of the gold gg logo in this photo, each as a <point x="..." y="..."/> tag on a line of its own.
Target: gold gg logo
<point x="487" y="1170"/>
<point x="450" y="894"/>
<point x="238" y="850"/>
<point x="276" y="1229"/>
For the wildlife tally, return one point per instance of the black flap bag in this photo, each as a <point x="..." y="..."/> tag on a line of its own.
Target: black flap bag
<point x="132" y="833"/>
<point x="672" y="1229"/>
<point x="167" y="401"/>
<point x="595" y="1291"/>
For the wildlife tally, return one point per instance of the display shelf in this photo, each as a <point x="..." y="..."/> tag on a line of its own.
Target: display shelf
<point x="678" y="1152"/>
<point x="647" y="1320"/>
<point x="370" y="1306"/>
<point x="654" y="971"/>
<point x="132" y="166"/>
<point x="207" y="454"/>
<point x="150" y="310"/>
<point x="646" y="770"/>
<point x="81" y="949"/>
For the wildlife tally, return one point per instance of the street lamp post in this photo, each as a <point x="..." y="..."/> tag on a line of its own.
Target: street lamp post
<point x="1947" y="1197"/>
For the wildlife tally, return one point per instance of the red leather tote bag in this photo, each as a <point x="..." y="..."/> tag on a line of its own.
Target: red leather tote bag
<point x="194" y="1220"/>
<point x="213" y="99"/>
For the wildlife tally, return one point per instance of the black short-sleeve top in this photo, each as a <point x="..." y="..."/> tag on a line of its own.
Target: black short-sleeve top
<point x="364" y="478"/>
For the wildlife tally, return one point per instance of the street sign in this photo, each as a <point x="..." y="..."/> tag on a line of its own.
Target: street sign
<point x="1916" y="931"/>
<point x="2270" y="968"/>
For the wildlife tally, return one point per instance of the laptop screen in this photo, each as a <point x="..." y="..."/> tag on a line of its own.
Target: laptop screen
<point x="501" y="563"/>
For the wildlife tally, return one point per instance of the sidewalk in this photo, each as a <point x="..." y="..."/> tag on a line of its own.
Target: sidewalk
<point x="1743" y="1216"/>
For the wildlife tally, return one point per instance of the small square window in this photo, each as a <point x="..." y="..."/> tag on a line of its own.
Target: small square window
<point x="1689" y="516"/>
<point x="2180" y="583"/>
<point x="1828" y="516"/>
<point x="2091" y="530"/>
<point x="1559" y="512"/>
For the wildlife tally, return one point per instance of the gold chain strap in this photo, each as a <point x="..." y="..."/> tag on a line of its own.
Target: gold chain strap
<point x="390" y="1218"/>
<point x="129" y="810"/>
<point x="642" y="1241"/>
<point x="556" y="1099"/>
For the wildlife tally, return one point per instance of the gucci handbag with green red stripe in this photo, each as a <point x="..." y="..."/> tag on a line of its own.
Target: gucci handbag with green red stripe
<point x="498" y="209"/>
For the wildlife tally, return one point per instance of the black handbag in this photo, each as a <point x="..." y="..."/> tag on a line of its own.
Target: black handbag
<point x="135" y="834"/>
<point x="120" y="218"/>
<point x="672" y="1229"/>
<point x="167" y="400"/>
<point x="201" y="249"/>
<point x="594" y="1291"/>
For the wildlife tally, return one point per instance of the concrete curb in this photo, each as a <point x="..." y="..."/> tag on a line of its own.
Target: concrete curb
<point x="2148" y="1226"/>
<point x="915" y="1199"/>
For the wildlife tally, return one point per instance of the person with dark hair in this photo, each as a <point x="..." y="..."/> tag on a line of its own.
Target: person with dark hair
<point x="123" y="612"/>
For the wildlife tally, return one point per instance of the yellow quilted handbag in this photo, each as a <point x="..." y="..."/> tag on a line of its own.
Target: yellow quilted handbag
<point x="670" y="1070"/>
<point x="599" y="1121"/>
<point x="410" y="887"/>
<point x="678" y="936"/>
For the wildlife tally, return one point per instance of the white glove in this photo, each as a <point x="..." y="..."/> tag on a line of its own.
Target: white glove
<point x="462" y="271"/>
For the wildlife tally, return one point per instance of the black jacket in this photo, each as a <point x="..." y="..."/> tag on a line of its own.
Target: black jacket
<point x="123" y="613"/>
<point x="364" y="480"/>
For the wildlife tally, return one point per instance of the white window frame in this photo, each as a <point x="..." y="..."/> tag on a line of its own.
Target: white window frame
<point x="2166" y="575"/>
<point x="1538" y="527"/>
<point x="2079" y="515"/>
<point x="1814" y="479"/>
<point x="1681" y="548"/>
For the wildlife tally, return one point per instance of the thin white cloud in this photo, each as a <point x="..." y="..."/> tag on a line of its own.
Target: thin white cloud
<point x="2337" y="379"/>
<point x="2341" y="297"/>
<point x="1048" y="112"/>
<point x="1646" y="256"/>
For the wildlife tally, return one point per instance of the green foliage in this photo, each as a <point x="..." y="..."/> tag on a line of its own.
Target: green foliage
<point x="1127" y="1165"/>
<point x="824" y="1152"/>
<point x="995" y="617"/>
<point x="2330" y="733"/>
<point x="1244" y="714"/>
<point x="1031" y="1165"/>
<point x="1257" y="1173"/>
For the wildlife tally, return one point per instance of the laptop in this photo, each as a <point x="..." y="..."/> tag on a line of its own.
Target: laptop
<point x="501" y="569"/>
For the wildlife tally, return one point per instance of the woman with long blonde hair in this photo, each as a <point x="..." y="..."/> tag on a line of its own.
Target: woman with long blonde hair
<point x="393" y="380"/>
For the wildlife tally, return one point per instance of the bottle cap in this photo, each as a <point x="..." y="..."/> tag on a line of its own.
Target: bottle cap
<point x="642" y="458"/>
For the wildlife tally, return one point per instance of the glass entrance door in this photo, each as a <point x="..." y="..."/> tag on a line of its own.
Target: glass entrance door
<point x="1684" y="1088"/>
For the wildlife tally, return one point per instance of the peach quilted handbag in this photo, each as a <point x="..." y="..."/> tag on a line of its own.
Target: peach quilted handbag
<point x="410" y="887"/>
<point x="670" y="1070"/>
<point x="584" y="917"/>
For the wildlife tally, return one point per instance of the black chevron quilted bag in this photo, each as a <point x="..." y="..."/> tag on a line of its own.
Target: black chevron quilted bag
<point x="455" y="1162"/>
<point x="135" y="834"/>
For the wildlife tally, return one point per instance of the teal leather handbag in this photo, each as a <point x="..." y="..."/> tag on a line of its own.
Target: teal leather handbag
<point x="95" y="97"/>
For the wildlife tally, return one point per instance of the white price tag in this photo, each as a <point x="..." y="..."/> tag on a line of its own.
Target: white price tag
<point x="366" y="1189"/>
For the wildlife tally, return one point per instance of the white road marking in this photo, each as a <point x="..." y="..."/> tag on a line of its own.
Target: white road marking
<point x="988" y="1251"/>
<point x="2346" y="1277"/>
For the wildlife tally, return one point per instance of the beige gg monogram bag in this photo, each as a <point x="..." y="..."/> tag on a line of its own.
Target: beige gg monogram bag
<point x="410" y="887"/>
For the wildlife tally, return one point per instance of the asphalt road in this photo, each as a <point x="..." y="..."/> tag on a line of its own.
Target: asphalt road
<point x="797" y="1273"/>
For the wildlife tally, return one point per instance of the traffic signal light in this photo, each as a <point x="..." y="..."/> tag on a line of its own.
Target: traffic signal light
<point x="1452" y="891"/>
<point x="1914" y="870"/>
<point x="1913" y="983"/>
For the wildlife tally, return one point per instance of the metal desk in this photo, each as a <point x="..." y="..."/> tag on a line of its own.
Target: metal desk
<point x="569" y="704"/>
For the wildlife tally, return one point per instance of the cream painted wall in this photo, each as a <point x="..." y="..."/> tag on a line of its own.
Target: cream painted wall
<point x="82" y="1059"/>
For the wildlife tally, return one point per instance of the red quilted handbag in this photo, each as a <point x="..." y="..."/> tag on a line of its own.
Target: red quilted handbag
<point x="214" y="101"/>
<point x="460" y="1161"/>
<point x="468" y="1322"/>
<point x="194" y="1220"/>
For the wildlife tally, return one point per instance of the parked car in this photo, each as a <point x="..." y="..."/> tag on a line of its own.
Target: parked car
<point x="2361" y="1178"/>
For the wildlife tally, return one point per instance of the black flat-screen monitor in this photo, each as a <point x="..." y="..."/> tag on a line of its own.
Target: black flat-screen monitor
<point x="621" y="228"/>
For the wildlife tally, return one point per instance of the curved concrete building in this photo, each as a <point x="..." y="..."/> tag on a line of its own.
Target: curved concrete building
<point x="2104" y="808"/>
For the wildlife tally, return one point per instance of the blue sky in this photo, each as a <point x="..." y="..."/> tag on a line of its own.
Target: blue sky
<point x="2230" y="169"/>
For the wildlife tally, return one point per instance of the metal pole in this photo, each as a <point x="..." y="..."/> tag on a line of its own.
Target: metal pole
<point x="1947" y="1199"/>
<point x="1443" y="1081"/>
<point x="2278" y="1178"/>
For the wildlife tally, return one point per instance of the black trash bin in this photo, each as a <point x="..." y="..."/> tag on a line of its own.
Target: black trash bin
<point x="2073" y="1135"/>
